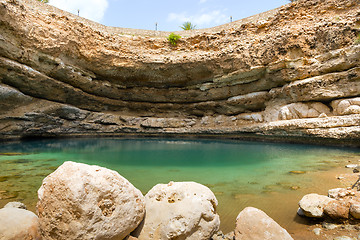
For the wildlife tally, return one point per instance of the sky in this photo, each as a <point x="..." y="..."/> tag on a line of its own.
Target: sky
<point x="169" y="15"/>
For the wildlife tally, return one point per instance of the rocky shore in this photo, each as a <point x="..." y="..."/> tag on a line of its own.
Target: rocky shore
<point x="291" y="75"/>
<point x="79" y="201"/>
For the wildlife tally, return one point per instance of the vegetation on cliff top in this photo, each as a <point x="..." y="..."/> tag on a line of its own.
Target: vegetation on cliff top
<point x="188" y="26"/>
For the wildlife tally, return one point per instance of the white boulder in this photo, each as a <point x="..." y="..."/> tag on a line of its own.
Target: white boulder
<point x="303" y="110"/>
<point x="313" y="205"/>
<point x="179" y="210"/>
<point x="16" y="223"/>
<point x="254" y="224"/>
<point x="79" y="201"/>
<point x="346" y="106"/>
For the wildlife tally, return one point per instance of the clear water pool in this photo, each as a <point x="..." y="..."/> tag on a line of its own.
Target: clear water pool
<point x="272" y="177"/>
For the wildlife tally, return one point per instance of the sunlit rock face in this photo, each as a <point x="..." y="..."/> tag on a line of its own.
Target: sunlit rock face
<point x="179" y="210"/>
<point x="79" y="201"/>
<point x="297" y="65"/>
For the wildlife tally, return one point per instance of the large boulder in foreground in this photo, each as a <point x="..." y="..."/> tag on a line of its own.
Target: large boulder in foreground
<point x="79" y="201"/>
<point x="16" y="223"/>
<point x="254" y="224"/>
<point x="313" y="205"/>
<point x="179" y="210"/>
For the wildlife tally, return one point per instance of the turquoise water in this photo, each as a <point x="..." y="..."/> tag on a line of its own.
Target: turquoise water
<point x="239" y="173"/>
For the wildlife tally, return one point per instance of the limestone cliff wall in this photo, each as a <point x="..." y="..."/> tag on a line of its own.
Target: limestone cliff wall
<point x="292" y="72"/>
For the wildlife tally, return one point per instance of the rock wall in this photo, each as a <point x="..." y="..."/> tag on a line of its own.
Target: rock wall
<point x="290" y="74"/>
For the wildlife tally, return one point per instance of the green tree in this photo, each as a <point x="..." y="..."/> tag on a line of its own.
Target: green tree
<point x="44" y="1"/>
<point x="188" y="26"/>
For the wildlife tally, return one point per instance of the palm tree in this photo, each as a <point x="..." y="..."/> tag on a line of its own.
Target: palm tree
<point x="188" y="26"/>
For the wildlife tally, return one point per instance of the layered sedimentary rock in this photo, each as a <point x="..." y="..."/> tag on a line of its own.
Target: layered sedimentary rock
<point x="293" y="72"/>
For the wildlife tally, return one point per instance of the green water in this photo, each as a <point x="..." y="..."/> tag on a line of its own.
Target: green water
<point x="239" y="173"/>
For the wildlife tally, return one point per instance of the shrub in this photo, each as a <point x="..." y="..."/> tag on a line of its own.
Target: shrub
<point x="44" y="1"/>
<point x="173" y="38"/>
<point x="357" y="41"/>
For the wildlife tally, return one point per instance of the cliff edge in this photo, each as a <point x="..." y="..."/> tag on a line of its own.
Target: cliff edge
<point x="291" y="74"/>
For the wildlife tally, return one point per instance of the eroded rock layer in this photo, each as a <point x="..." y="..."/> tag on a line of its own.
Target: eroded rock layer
<point x="292" y="74"/>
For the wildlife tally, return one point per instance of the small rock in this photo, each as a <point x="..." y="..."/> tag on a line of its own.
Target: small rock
<point x="230" y="235"/>
<point x="351" y="166"/>
<point x="329" y="226"/>
<point x="15" y="205"/>
<point x="218" y="236"/>
<point x="317" y="231"/>
<point x="16" y="223"/>
<point x="355" y="210"/>
<point x="131" y="238"/>
<point x="338" y="193"/>
<point x="254" y="224"/>
<point x="300" y="212"/>
<point x="343" y="238"/>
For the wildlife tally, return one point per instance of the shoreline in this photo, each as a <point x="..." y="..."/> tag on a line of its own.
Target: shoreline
<point x="236" y="136"/>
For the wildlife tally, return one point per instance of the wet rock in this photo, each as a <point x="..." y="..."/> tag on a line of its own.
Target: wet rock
<point x="355" y="210"/>
<point x="79" y="201"/>
<point x="252" y="223"/>
<point x="15" y="205"/>
<point x="297" y="172"/>
<point x="16" y="223"/>
<point x="179" y="210"/>
<point x="313" y="205"/>
<point x="300" y="212"/>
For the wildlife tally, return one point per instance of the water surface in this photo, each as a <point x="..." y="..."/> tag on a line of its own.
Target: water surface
<point x="239" y="173"/>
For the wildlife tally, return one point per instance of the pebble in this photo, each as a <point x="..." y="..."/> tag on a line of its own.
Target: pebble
<point x="317" y="231"/>
<point x="343" y="238"/>
<point x="351" y="166"/>
<point x="329" y="226"/>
